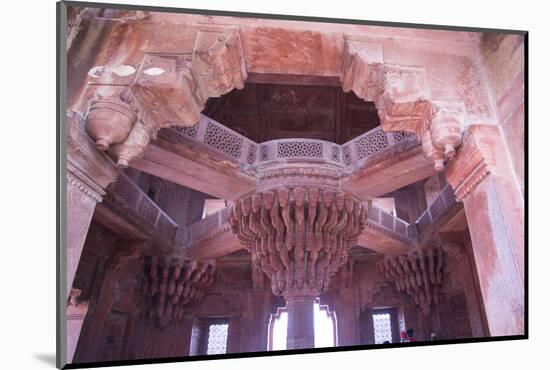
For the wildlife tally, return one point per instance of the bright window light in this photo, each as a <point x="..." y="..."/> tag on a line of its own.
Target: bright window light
<point x="323" y="326"/>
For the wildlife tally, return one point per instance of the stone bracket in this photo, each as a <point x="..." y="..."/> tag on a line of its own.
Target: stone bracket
<point x="127" y="106"/>
<point x="402" y="96"/>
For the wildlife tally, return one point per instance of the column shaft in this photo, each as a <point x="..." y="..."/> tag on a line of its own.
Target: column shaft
<point x="482" y="177"/>
<point x="300" y="330"/>
<point x="500" y="273"/>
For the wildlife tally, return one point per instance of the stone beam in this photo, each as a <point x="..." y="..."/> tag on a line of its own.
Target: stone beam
<point x="211" y="248"/>
<point x="383" y="172"/>
<point x="183" y="162"/>
<point x="382" y="243"/>
<point x="443" y="214"/>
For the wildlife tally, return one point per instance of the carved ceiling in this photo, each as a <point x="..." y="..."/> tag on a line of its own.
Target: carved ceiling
<point x="263" y="112"/>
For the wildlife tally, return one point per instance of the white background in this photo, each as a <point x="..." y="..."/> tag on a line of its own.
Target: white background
<point x="27" y="134"/>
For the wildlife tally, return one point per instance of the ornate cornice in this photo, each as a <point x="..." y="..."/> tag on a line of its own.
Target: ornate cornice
<point x="83" y="187"/>
<point x="306" y="171"/>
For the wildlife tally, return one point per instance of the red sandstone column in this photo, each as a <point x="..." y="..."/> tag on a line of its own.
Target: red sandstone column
<point x="88" y="174"/>
<point x="347" y="318"/>
<point x="483" y="179"/>
<point x="234" y="335"/>
<point x="300" y="329"/>
<point x="76" y="313"/>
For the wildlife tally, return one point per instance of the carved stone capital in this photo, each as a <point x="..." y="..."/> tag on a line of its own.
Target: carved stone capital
<point x="363" y="69"/>
<point x="298" y="236"/>
<point x="419" y="275"/>
<point x="171" y="283"/>
<point x="475" y="159"/>
<point x="130" y="252"/>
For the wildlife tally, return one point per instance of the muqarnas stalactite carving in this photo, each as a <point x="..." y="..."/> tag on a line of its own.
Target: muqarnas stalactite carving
<point x="299" y="237"/>
<point x="418" y="274"/>
<point x="171" y="284"/>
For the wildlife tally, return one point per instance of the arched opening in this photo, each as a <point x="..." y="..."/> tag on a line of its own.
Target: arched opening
<point x="324" y="326"/>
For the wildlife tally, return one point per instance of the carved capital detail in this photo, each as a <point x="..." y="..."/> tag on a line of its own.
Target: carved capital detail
<point x="165" y="88"/>
<point x="418" y="274"/>
<point x="475" y="159"/>
<point x="171" y="283"/>
<point x="131" y="252"/>
<point x="300" y="237"/>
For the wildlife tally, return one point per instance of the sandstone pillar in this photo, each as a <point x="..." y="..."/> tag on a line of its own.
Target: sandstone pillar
<point x="300" y="329"/>
<point x="76" y="313"/>
<point x="483" y="179"/>
<point x="88" y="174"/>
<point x="234" y="335"/>
<point x="347" y="318"/>
<point x="300" y="237"/>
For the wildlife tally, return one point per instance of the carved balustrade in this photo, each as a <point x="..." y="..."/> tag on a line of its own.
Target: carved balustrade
<point x="437" y="208"/>
<point x="248" y="154"/>
<point x="126" y="195"/>
<point x="390" y="224"/>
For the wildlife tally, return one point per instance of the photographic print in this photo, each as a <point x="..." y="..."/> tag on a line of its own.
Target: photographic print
<point x="256" y="184"/>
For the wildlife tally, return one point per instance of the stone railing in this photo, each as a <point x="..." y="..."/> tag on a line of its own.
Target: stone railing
<point x="437" y="208"/>
<point x="249" y="153"/>
<point x="210" y="226"/>
<point x="222" y="139"/>
<point x="287" y="150"/>
<point x="217" y="223"/>
<point x="389" y="224"/>
<point x="125" y="193"/>
<point x="371" y="142"/>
